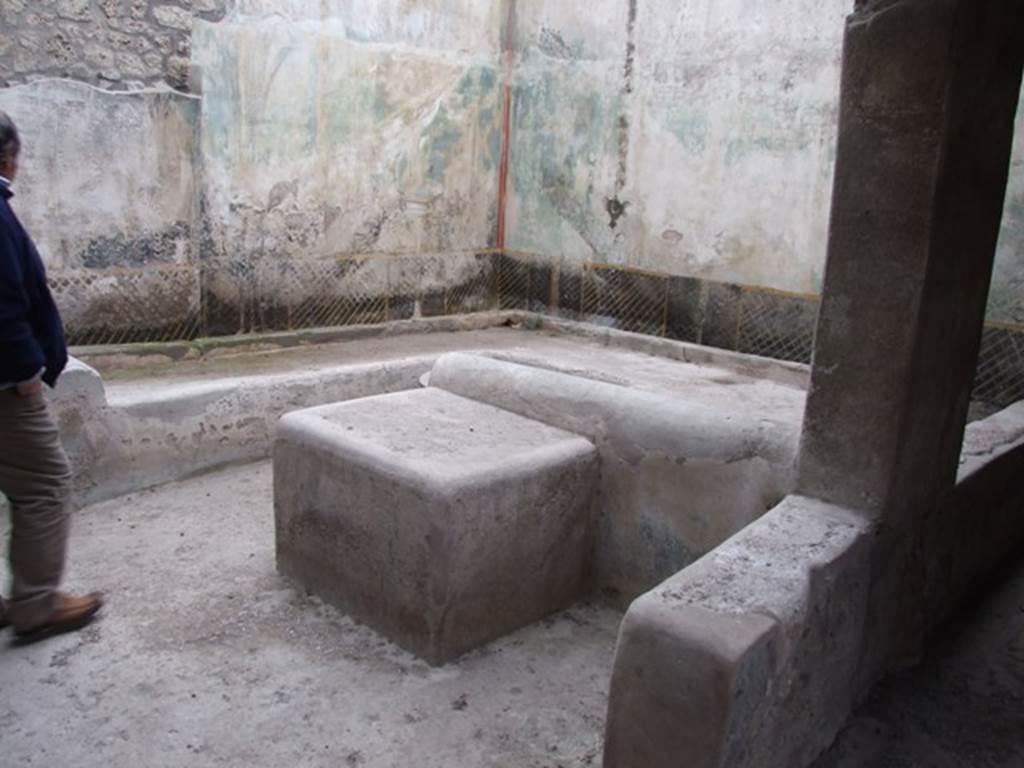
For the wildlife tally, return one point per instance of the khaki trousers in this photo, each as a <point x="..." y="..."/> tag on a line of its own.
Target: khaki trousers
<point x="36" y="479"/>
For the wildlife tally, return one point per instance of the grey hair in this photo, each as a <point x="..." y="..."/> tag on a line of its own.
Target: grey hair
<point x="10" y="141"/>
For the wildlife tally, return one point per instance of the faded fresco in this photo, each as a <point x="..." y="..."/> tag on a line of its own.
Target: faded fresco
<point x="316" y="144"/>
<point x="324" y="137"/>
<point x="355" y="148"/>
<point x="693" y="138"/>
<point x="568" y="101"/>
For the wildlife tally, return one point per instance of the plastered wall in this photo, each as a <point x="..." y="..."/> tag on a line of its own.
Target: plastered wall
<point x="692" y="138"/>
<point x="349" y="128"/>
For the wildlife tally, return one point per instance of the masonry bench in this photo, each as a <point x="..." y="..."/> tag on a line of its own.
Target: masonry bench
<point x="439" y="521"/>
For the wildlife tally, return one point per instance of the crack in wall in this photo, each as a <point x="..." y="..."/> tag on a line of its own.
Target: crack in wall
<point x="615" y="205"/>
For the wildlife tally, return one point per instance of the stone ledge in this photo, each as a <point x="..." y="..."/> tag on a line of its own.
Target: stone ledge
<point x="441" y="522"/>
<point x="678" y="476"/>
<point x="980" y="522"/>
<point x="748" y="658"/>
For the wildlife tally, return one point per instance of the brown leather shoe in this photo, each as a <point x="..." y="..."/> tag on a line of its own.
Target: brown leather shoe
<point x="70" y="613"/>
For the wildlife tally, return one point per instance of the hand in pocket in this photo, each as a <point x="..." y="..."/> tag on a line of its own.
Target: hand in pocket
<point x="29" y="388"/>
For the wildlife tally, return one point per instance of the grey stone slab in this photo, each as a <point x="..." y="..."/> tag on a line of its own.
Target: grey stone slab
<point x="439" y="521"/>
<point x="749" y="657"/>
<point x="922" y="164"/>
<point x="680" y="471"/>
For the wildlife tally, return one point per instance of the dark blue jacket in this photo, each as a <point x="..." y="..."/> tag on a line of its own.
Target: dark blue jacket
<point x="31" y="332"/>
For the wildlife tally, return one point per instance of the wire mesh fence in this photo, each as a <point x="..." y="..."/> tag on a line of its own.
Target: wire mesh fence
<point x="630" y="300"/>
<point x="751" y="320"/>
<point x="123" y="306"/>
<point x="524" y="282"/>
<point x="225" y="297"/>
<point x="776" y="325"/>
<point x="1000" y="378"/>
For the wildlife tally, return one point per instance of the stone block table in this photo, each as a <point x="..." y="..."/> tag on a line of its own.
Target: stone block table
<point x="439" y="521"/>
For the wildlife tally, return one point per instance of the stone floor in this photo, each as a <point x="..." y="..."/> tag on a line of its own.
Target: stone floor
<point x="731" y="386"/>
<point x="206" y="657"/>
<point x="963" y="707"/>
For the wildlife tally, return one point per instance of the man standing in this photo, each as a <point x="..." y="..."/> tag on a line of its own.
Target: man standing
<point x="34" y="471"/>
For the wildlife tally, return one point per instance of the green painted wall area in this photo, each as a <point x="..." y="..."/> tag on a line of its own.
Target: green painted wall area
<point x="562" y="160"/>
<point x="317" y="144"/>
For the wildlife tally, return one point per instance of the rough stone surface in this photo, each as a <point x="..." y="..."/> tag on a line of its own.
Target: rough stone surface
<point x="206" y="656"/>
<point x="439" y="521"/>
<point x="747" y="658"/>
<point x="887" y="361"/>
<point x="893" y="368"/>
<point x="962" y="705"/>
<point x="680" y="472"/>
<point x="116" y="44"/>
<point x="177" y="410"/>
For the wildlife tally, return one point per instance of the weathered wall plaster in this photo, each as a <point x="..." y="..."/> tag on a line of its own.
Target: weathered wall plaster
<point x="323" y="138"/>
<point x="332" y="130"/>
<point x="327" y="130"/>
<point x="107" y="179"/>
<point x="693" y="138"/>
<point x="108" y="186"/>
<point x="567" y="99"/>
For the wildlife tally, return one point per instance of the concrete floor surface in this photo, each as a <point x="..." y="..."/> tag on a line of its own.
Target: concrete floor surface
<point x="731" y="388"/>
<point x="963" y="706"/>
<point x="206" y="657"/>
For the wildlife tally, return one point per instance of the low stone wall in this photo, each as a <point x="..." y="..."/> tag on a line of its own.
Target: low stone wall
<point x="665" y="458"/>
<point x="983" y="519"/>
<point x="752" y="320"/>
<point x="678" y="476"/>
<point x="749" y="657"/>
<point x="756" y="654"/>
<point x="121" y="447"/>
